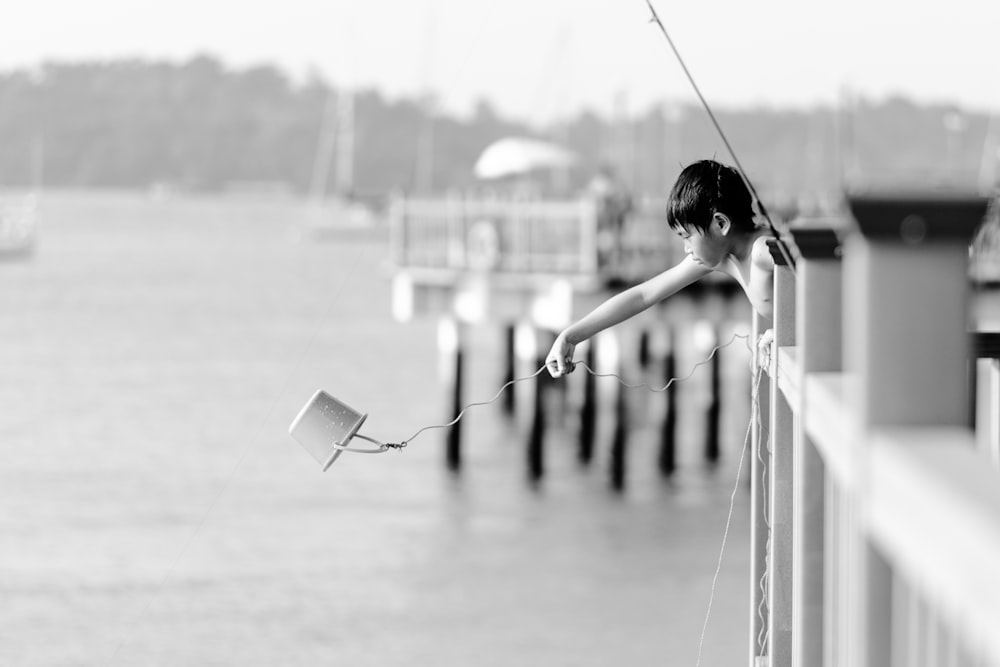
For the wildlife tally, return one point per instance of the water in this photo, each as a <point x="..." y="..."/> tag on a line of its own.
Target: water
<point x="155" y="511"/>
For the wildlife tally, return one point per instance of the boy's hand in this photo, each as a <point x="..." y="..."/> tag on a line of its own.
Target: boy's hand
<point x="560" y="359"/>
<point x="765" y="344"/>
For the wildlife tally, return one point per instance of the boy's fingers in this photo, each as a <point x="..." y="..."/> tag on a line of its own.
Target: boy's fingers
<point x="559" y="367"/>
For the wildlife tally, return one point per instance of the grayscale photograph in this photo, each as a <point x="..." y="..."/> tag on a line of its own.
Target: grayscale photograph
<point x="459" y="333"/>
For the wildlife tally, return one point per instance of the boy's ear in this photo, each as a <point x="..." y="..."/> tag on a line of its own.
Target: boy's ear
<point x="723" y="221"/>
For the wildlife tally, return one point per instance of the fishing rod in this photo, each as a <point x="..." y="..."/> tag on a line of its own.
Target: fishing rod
<point x="782" y="247"/>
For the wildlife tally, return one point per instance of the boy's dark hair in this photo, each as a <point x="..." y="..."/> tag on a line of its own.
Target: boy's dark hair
<point x="705" y="188"/>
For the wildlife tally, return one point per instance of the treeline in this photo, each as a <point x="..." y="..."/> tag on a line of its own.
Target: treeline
<point x="199" y="125"/>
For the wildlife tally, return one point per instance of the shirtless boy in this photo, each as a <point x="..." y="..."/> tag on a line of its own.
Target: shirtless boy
<point x="710" y="208"/>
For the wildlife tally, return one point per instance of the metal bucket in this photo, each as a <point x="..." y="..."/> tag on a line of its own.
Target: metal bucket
<point x="324" y="426"/>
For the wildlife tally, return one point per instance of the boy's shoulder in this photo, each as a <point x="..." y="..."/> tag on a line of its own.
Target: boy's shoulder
<point x="760" y="253"/>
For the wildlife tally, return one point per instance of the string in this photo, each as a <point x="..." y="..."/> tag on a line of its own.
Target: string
<point x="754" y="415"/>
<point x="643" y="385"/>
<point x="755" y="419"/>
<point x="461" y="414"/>
<point x="385" y="446"/>
<point x="763" y="610"/>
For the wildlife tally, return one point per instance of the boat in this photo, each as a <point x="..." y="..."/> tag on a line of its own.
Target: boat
<point x="18" y="223"/>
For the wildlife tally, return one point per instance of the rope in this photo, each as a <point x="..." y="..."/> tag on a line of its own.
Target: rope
<point x="754" y="415"/>
<point x="386" y="446"/>
<point x="643" y="385"/>
<point x="755" y="420"/>
<point x="461" y="414"/>
<point x="763" y="610"/>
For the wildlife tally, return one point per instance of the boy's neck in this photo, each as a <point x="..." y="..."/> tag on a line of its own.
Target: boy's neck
<point x="743" y="245"/>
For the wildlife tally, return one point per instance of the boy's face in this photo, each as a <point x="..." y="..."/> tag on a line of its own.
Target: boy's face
<point x="708" y="248"/>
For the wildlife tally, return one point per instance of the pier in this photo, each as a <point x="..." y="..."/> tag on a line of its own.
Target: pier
<point x="874" y="487"/>
<point x="875" y="494"/>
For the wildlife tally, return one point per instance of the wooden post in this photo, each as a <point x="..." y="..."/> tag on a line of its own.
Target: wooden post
<point x="619" y="438"/>
<point x="909" y="360"/>
<point x="530" y="355"/>
<point x="619" y="441"/>
<point x="779" y="578"/>
<point x="712" y="413"/>
<point x="588" y="411"/>
<point x="536" y="438"/>
<point x="451" y="353"/>
<point x="508" y="401"/>
<point x="667" y="459"/>
<point x="644" y="349"/>
<point x="818" y="338"/>
<point x="526" y="351"/>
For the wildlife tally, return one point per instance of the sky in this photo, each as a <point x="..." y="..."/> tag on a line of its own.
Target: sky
<point x="539" y="60"/>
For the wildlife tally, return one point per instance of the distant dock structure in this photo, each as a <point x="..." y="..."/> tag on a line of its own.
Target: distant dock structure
<point x="532" y="266"/>
<point x="18" y="224"/>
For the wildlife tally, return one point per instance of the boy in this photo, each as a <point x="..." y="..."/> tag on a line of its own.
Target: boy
<point x="710" y="208"/>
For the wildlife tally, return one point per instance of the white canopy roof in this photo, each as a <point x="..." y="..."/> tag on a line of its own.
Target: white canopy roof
<point x="512" y="156"/>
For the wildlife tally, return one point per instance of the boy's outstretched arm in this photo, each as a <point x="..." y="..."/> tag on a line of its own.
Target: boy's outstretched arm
<point x="619" y="308"/>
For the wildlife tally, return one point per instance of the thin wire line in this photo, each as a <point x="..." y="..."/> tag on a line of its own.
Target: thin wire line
<point x="642" y="385"/>
<point x="471" y="405"/>
<point x="404" y="443"/>
<point x="754" y="420"/>
<point x="763" y="607"/>
<point x="754" y="410"/>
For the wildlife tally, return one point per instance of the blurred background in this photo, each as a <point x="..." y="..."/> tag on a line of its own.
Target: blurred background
<point x="196" y="206"/>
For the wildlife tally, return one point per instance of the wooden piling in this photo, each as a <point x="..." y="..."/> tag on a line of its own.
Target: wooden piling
<point x="451" y="358"/>
<point x="619" y="441"/>
<point x="644" y="349"/>
<point x="536" y="435"/>
<point x="531" y="351"/>
<point x="609" y="360"/>
<point x="507" y="402"/>
<point x="588" y="411"/>
<point x="667" y="459"/>
<point x="713" y="410"/>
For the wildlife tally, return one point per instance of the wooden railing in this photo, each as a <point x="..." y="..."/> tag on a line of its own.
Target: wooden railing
<point x="875" y="516"/>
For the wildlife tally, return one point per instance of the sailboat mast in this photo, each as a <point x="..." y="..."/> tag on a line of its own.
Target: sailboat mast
<point x="345" y="142"/>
